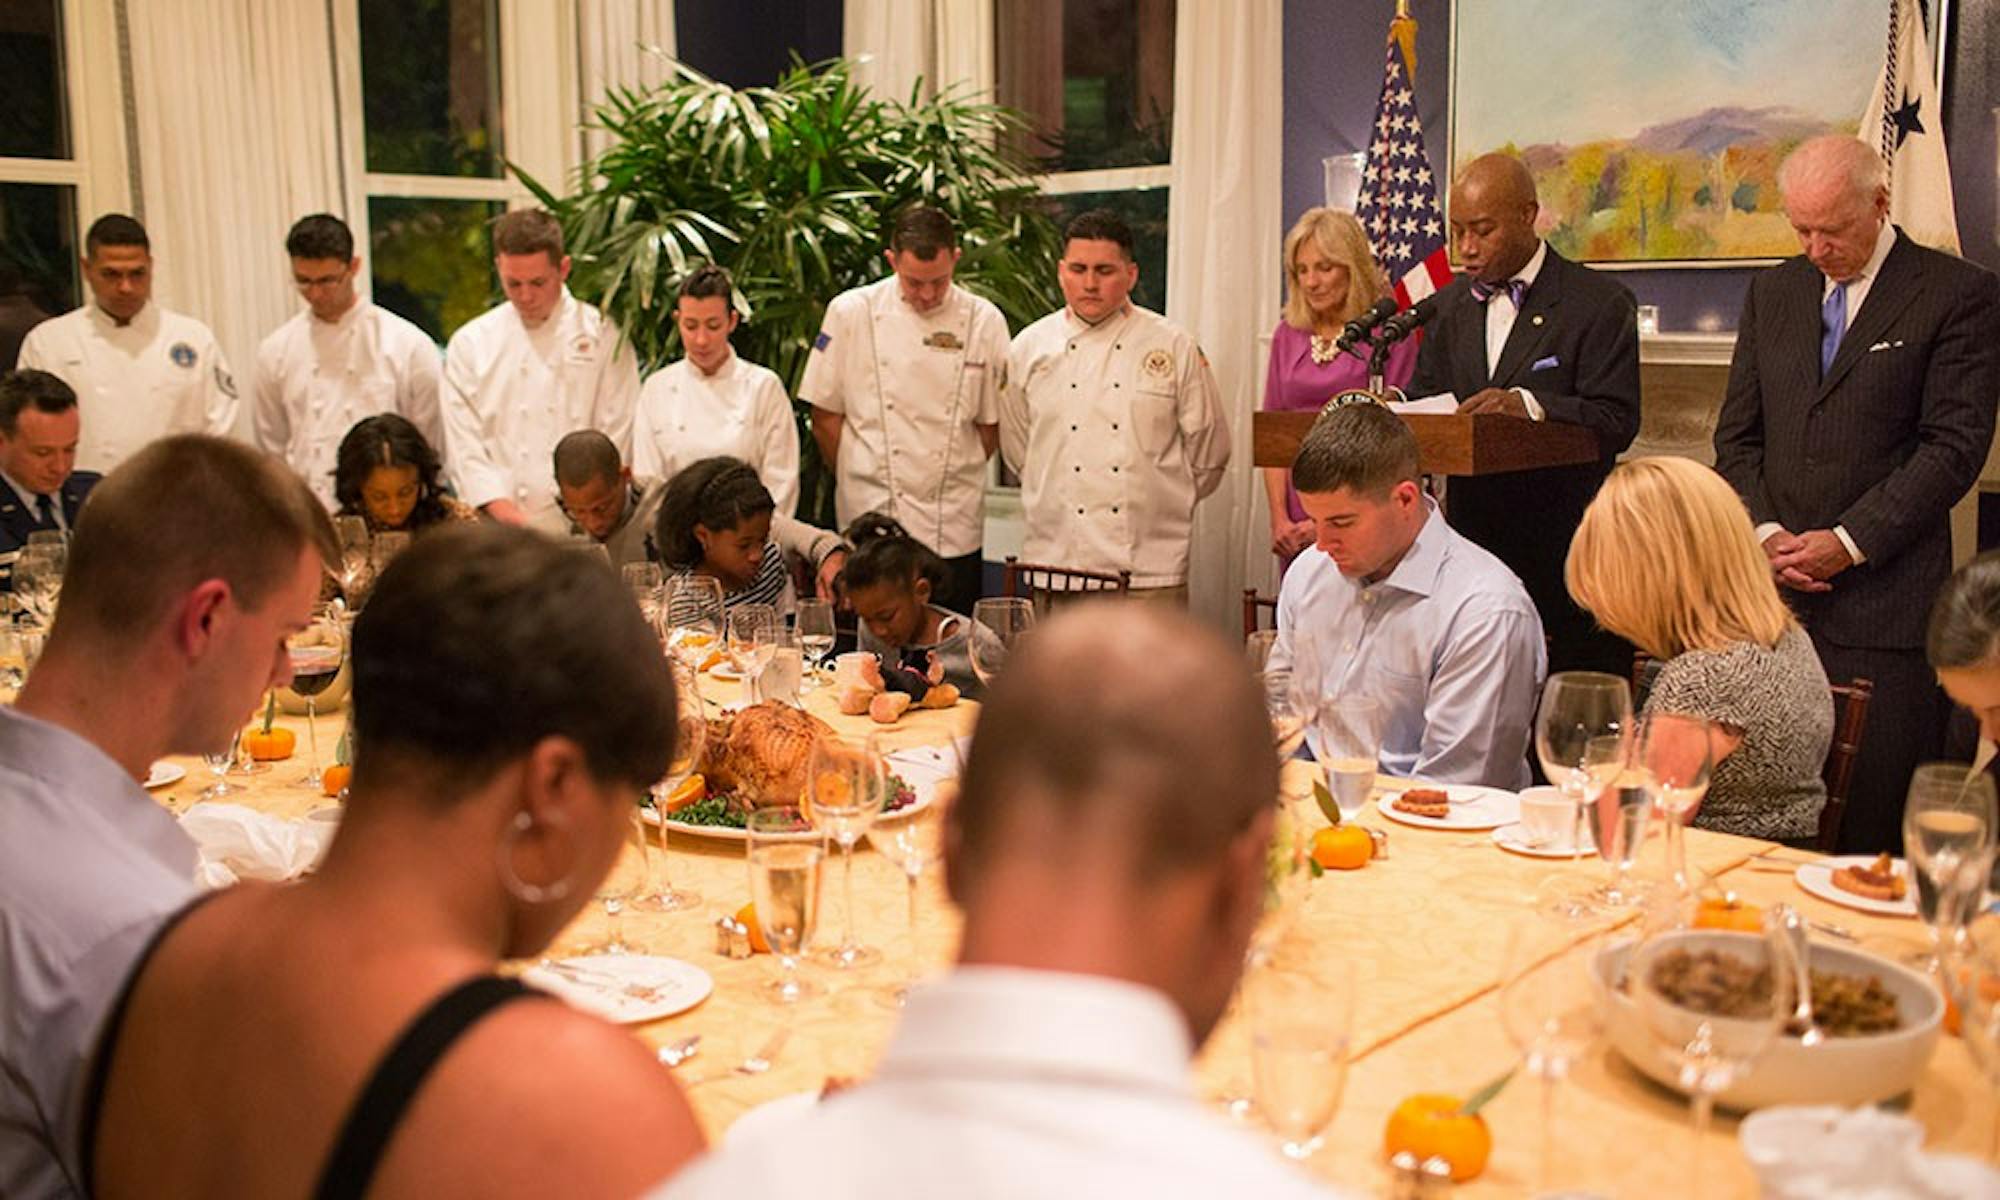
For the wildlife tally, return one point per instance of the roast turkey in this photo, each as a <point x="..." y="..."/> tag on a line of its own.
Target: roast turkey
<point x="760" y="753"/>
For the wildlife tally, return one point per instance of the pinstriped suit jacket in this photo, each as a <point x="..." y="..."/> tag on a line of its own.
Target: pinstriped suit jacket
<point x="1884" y="445"/>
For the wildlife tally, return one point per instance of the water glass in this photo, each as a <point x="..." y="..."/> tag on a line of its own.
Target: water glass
<point x="220" y="764"/>
<point x="1948" y="825"/>
<point x="1675" y="755"/>
<point x="691" y="616"/>
<point x="1287" y="709"/>
<point x="645" y="582"/>
<point x="784" y="891"/>
<point x="1349" y="738"/>
<point x="998" y="625"/>
<point x="753" y="640"/>
<point x="816" y="632"/>
<point x="1299" y="1032"/>
<point x="784" y="674"/>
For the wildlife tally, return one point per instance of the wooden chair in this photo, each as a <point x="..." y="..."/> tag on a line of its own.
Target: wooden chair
<point x="1850" y="719"/>
<point x="1253" y="605"/>
<point x="1040" y="582"/>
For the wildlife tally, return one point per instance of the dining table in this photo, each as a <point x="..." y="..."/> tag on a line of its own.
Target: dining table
<point x="1421" y="932"/>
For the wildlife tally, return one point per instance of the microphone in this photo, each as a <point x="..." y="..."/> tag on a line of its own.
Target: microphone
<point x="1407" y="322"/>
<point x="1357" y="329"/>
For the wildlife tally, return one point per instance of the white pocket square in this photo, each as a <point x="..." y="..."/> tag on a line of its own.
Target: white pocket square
<point x="1895" y="345"/>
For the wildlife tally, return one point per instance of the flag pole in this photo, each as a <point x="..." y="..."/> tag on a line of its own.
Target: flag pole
<point x="1403" y="32"/>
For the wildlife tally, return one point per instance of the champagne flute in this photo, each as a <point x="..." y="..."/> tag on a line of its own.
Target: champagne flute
<point x="646" y="582"/>
<point x="846" y="785"/>
<point x="1620" y="814"/>
<point x="1948" y="822"/>
<point x="317" y="652"/>
<point x="1711" y="1001"/>
<point x="1675" y="754"/>
<point x="998" y="624"/>
<point x="912" y="844"/>
<point x="753" y="642"/>
<point x="1299" y="1032"/>
<point x="220" y="764"/>
<point x="1550" y="1007"/>
<point x="621" y="884"/>
<point x="355" y="556"/>
<point x="816" y="631"/>
<point x="1583" y="733"/>
<point x="691" y="612"/>
<point x="784" y="892"/>
<point x="690" y="735"/>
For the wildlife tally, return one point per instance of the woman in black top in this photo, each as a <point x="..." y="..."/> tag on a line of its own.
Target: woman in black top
<point x="346" y="1034"/>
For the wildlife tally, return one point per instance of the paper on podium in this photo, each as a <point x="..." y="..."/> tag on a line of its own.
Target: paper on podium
<point x="1444" y="403"/>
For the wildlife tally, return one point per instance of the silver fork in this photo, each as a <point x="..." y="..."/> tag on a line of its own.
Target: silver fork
<point x="638" y="991"/>
<point x="757" y="1063"/>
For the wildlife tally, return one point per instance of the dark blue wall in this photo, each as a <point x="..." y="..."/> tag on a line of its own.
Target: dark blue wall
<point x="1333" y="76"/>
<point x="749" y="43"/>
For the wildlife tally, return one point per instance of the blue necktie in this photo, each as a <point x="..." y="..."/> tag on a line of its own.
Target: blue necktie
<point x="1833" y="317"/>
<point x="45" y="513"/>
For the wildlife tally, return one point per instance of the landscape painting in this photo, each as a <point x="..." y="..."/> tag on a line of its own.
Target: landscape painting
<point x="1655" y="131"/>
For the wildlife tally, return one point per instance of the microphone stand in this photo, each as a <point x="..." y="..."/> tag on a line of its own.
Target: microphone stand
<point x="1378" y="360"/>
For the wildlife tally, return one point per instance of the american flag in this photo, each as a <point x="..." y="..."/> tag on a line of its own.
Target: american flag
<point x="1398" y="204"/>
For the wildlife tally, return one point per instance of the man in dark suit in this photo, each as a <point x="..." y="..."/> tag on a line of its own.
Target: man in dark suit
<point x="1860" y="408"/>
<point x="1538" y="337"/>
<point x="39" y="427"/>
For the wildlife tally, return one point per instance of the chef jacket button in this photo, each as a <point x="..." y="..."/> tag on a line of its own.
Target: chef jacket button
<point x="1114" y="470"/>
<point x="1079" y="512"/>
<point x="1118" y="345"/>
<point x="1114" y="427"/>
<point x="1114" y="383"/>
<point x="1072" y="429"/>
<point x="1114" y="508"/>
<point x="1078" y="470"/>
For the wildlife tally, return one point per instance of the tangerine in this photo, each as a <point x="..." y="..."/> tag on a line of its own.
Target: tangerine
<point x="1342" y="848"/>
<point x="748" y="916"/>
<point x="1429" y="1124"/>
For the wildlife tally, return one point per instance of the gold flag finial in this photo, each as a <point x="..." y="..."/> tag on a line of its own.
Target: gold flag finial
<point x="1403" y="31"/>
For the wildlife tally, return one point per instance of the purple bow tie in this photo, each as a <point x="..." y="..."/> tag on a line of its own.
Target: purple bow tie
<point x="1516" y="289"/>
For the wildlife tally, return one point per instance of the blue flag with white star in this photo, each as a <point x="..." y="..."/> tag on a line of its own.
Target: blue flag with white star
<point x="1905" y="122"/>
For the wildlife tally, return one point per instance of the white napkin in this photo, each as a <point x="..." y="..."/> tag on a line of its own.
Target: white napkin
<point x="242" y="843"/>
<point x="1827" y="1153"/>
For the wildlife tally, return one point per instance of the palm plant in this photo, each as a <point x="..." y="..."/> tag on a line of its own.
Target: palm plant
<point x="789" y="188"/>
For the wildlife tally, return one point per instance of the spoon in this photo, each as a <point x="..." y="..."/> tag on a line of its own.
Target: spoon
<point x="1786" y="920"/>
<point x="673" y="1054"/>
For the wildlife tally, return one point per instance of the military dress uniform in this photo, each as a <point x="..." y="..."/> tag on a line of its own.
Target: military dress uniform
<point x="1116" y="431"/>
<point x="316" y="378"/>
<point x="912" y="389"/>
<point x="160" y="373"/>
<point x="511" y="393"/>
<point x="23" y="512"/>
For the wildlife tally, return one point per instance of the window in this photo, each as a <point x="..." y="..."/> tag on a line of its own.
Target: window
<point x="39" y="174"/>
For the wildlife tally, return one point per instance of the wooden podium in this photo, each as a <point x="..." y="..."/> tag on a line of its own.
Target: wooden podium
<point x="1450" y="443"/>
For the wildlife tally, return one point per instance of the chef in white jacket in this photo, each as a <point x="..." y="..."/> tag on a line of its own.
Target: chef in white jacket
<point x="712" y="402"/>
<point x="1111" y="418"/>
<point x="521" y="375"/>
<point x="904" y="380"/>
<point x="139" y="371"/>
<point x="341" y="360"/>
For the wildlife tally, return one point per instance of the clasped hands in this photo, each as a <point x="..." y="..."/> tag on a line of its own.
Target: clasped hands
<point x="1806" y="561"/>
<point x="1505" y="401"/>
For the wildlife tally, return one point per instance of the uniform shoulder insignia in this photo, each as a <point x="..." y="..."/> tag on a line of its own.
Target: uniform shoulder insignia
<point x="1158" y="364"/>
<point x="824" y="340"/>
<point x="182" y="354"/>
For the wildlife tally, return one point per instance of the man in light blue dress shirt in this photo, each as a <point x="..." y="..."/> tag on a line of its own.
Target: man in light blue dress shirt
<point x="1397" y="607"/>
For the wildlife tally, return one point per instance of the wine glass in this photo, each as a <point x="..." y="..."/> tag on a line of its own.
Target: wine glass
<point x="646" y="582"/>
<point x="784" y="891"/>
<point x="998" y="624"/>
<point x="355" y="558"/>
<point x="815" y="628"/>
<point x="1257" y="648"/>
<point x="690" y="735"/>
<point x="1583" y="734"/>
<point x="1550" y="1007"/>
<point x="912" y="843"/>
<point x="220" y="764"/>
<point x="1287" y="710"/>
<point x="1972" y="974"/>
<point x="1948" y="822"/>
<point x="1299" y="1031"/>
<point x="317" y="652"/>
<point x="1675" y="755"/>
<point x="13" y="660"/>
<point x="38" y="574"/>
<point x="691" y="613"/>
<point x="386" y="546"/>
<point x="846" y="785"/>
<point x="753" y="642"/>
<point x="1711" y="1001"/>
<point x="621" y="884"/>
<point x="1350" y="742"/>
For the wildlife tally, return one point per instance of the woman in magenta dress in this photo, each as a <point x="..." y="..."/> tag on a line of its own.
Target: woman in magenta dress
<point x="1330" y="278"/>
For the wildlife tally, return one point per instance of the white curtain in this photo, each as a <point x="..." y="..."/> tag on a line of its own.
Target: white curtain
<point x="1222" y="264"/>
<point x="894" y="43"/>
<point x="621" y="43"/>
<point x="235" y="118"/>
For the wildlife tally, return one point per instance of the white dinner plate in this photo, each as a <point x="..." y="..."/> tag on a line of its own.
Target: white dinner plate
<point x="164" y="773"/>
<point x="623" y="988"/>
<point x="780" y="1114"/>
<point x="1513" y="838"/>
<point x="726" y="673"/>
<point x="1817" y="879"/>
<point x="922" y="778"/>
<point x="1472" y="807"/>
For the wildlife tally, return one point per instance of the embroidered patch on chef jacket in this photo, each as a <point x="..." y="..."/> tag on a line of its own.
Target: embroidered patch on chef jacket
<point x="182" y="354"/>
<point x="224" y="382"/>
<point x="1158" y="364"/>
<point x="944" y="339"/>
<point x="583" y="345"/>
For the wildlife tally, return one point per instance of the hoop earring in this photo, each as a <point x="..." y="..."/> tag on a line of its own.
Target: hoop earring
<point x="517" y="887"/>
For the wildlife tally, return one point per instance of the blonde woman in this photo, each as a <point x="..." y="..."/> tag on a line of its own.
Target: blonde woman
<point x="1665" y="558"/>
<point x="1330" y="278"/>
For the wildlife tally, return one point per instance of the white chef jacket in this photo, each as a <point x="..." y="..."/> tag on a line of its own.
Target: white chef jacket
<point x="161" y="374"/>
<point x="685" y="415"/>
<point x="912" y="388"/>
<point x="511" y="393"/>
<point x="1116" y="431"/>
<point x="316" y="378"/>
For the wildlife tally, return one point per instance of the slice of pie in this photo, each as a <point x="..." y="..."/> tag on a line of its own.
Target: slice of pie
<point x="1424" y="802"/>
<point x="1875" y="881"/>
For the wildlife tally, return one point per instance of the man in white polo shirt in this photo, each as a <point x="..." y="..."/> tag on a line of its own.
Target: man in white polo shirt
<point x="1111" y="419"/>
<point x="521" y="375"/>
<point x="904" y="380"/>
<point x="342" y="359"/>
<point x="139" y="371"/>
